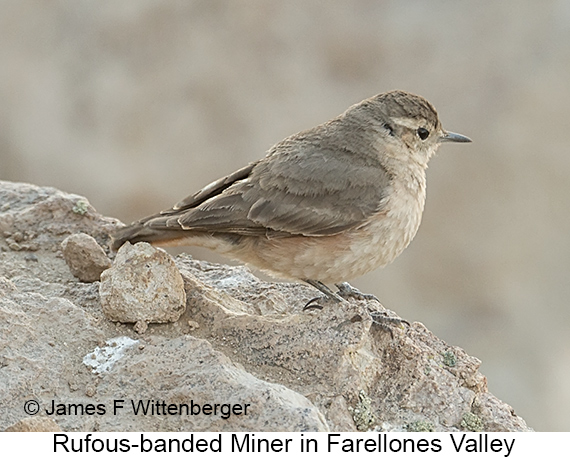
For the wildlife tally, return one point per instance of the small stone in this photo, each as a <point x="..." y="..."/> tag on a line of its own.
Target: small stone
<point x="193" y="325"/>
<point x="18" y="237"/>
<point x="32" y="246"/>
<point x="90" y="391"/>
<point x="140" y="327"/>
<point x="85" y="258"/>
<point x="31" y="257"/>
<point x="143" y="285"/>
<point x="14" y="246"/>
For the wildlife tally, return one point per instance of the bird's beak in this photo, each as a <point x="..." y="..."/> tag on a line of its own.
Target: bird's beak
<point x="454" y="137"/>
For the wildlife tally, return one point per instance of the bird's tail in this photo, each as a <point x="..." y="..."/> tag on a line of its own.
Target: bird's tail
<point x="139" y="232"/>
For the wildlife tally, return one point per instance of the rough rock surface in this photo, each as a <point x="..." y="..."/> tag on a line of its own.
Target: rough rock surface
<point x="85" y="258"/>
<point x="240" y="341"/>
<point x="143" y="286"/>
<point x="35" y="424"/>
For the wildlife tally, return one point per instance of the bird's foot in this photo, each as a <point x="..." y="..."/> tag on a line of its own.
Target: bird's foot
<point x="386" y="322"/>
<point x="379" y="318"/>
<point x="328" y="295"/>
<point x="345" y="290"/>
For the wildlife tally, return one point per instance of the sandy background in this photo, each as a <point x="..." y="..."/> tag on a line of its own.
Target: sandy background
<point x="136" y="104"/>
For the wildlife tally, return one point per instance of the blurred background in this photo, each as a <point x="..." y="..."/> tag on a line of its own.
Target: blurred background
<point x="138" y="103"/>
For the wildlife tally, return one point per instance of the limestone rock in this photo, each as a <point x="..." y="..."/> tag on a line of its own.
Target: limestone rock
<point x="143" y="285"/>
<point x="86" y="259"/>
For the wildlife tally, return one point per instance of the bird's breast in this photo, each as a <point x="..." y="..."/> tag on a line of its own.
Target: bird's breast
<point x="349" y="254"/>
<point x="336" y="258"/>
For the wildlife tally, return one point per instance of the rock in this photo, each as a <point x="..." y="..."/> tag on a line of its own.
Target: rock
<point x="387" y="383"/>
<point x="143" y="285"/>
<point x="6" y="286"/>
<point x="34" y="424"/>
<point x="35" y="217"/>
<point x="85" y="258"/>
<point x="184" y="370"/>
<point x="41" y="338"/>
<point x="240" y="341"/>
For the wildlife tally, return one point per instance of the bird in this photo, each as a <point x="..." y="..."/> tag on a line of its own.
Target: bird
<point x="325" y="205"/>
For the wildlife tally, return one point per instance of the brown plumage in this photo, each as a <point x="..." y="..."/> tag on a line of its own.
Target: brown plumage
<point x="325" y="205"/>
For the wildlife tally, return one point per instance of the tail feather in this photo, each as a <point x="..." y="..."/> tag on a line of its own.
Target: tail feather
<point x="139" y="232"/>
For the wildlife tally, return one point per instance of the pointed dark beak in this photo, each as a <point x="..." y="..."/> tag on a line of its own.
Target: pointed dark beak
<point x="454" y="137"/>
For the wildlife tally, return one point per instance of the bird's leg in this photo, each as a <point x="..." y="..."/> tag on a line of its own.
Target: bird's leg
<point x="322" y="288"/>
<point x="345" y="290"/>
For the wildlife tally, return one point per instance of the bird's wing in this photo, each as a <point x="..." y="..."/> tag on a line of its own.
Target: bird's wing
<point x="301" y="187"/>
<point x="212" y="189"/>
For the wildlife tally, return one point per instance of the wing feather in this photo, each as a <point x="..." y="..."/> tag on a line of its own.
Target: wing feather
<point x="304" y="186"/>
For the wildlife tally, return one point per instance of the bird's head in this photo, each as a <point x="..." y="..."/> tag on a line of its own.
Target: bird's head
<point x="408" y="124"/>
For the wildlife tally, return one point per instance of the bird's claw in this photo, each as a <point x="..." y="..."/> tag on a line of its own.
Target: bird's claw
<point x="345" y="290"/>
<point x="312" y="305"/>
<point x="385" y="322"/>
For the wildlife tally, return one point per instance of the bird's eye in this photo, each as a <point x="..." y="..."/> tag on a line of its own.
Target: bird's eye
<point x="423" y="133"/>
